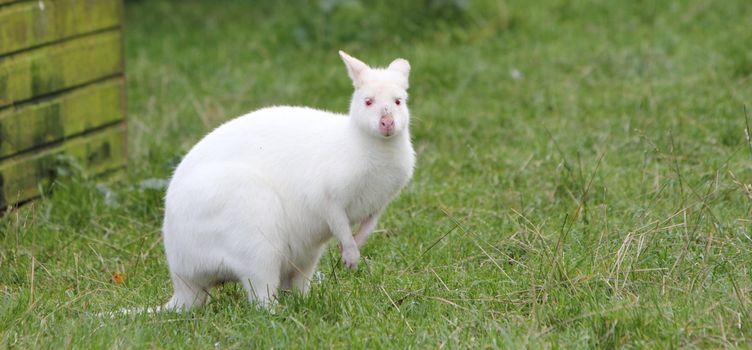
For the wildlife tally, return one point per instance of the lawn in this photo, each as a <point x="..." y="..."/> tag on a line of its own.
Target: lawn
<point x="584" y="179"/>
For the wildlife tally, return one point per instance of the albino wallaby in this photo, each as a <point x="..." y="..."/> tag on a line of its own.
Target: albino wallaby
<point x="257" y="199"/>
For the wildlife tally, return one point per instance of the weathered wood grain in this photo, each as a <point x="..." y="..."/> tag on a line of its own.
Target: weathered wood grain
<point x="56" y="119"/>
<point x="22" y="178"/>
<point x="33" y="23"/>
<point x="57" y="67"/>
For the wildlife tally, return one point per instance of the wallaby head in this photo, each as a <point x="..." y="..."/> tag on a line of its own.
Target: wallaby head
<point x="379" y="103"/>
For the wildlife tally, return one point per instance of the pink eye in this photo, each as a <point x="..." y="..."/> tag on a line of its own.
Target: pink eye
<point x="397" y="102"/>
<point x="369" y="101"/>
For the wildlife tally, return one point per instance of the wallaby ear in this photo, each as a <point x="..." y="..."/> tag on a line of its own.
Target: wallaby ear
<point x="355" y="68"/>
<point x="401" y="66"/>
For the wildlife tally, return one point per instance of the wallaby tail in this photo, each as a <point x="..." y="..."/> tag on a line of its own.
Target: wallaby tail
<point x="137" y="311"/>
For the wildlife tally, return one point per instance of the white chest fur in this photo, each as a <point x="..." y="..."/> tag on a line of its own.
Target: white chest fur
<point x="379" y="181"/>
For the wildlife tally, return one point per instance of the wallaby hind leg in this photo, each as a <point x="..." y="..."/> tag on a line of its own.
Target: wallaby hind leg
<point x="302" y="276"/>
<point x="187" y="295"/>
<point x="261" y="287"/>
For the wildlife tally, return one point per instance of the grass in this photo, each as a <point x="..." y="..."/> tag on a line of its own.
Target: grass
<point x="584" y="180"/>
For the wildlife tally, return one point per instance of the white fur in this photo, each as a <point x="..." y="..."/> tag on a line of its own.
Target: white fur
<point x="257" y="199"/>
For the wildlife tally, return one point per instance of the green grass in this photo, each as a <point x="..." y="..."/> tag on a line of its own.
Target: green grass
<point x="603" y="199"/>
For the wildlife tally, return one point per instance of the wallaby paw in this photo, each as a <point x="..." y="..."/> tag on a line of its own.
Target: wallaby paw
<point x="351" y="257"/>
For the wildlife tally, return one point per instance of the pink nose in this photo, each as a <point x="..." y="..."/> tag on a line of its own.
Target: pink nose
<point x="386" y="125"/>
<point x="387" y="122"/>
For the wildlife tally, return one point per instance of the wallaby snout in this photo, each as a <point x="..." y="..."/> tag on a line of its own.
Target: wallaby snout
<point x="386" y="124"/>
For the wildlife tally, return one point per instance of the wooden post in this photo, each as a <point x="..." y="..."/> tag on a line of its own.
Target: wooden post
<point x="61" y="91"/>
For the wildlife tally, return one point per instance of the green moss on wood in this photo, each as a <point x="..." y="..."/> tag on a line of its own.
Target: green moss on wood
<point x="98" y="153"/>
<point x="57" y="67"/>
<point x="69" y="114"/>
<point x="27" y="24"/>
